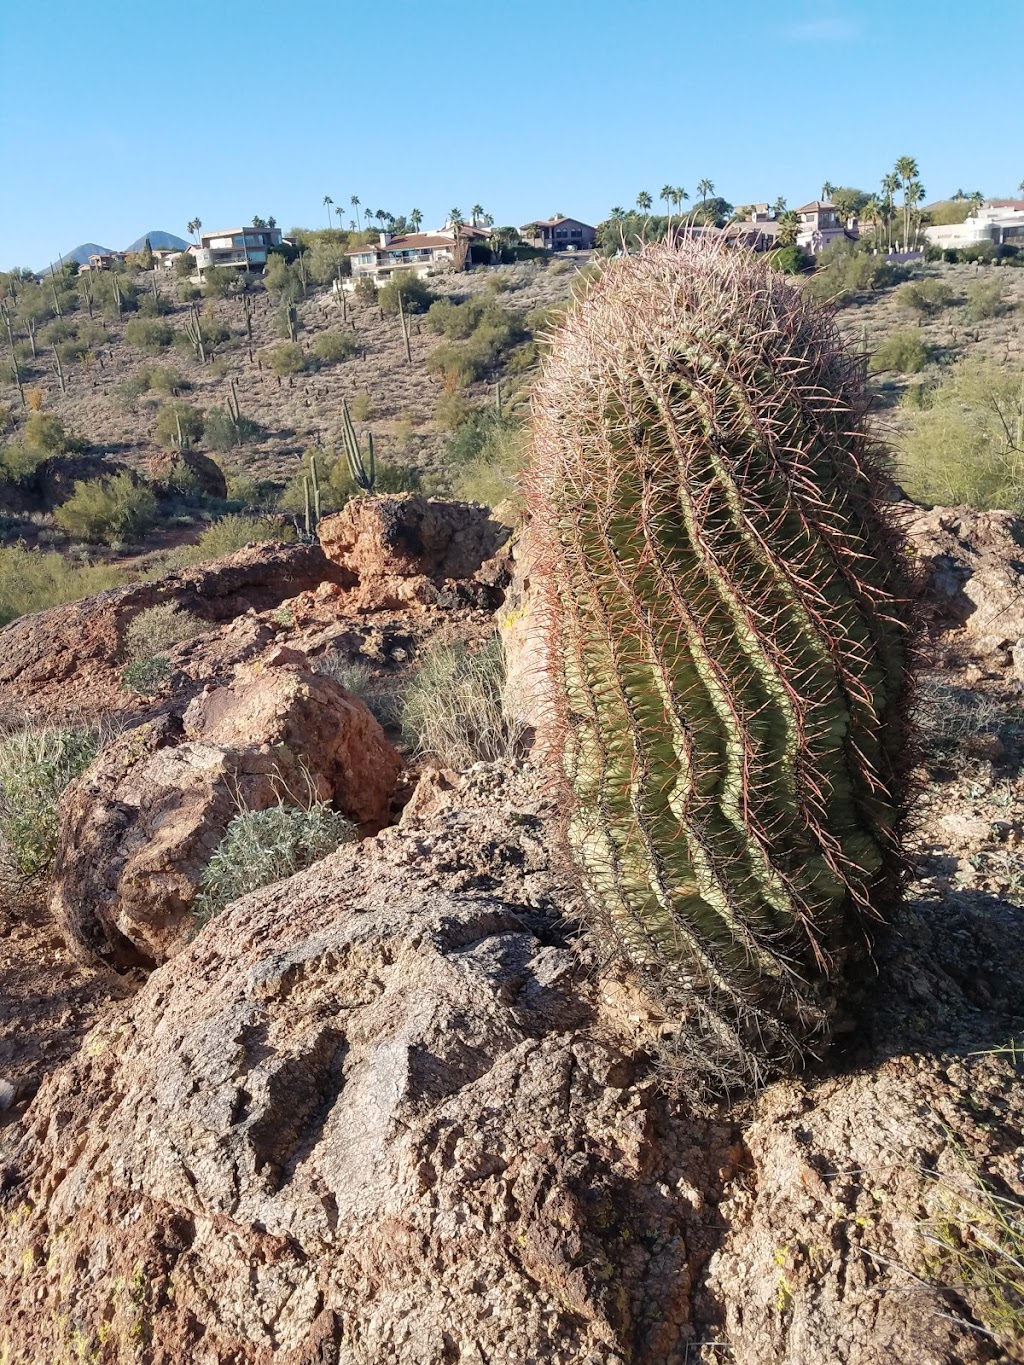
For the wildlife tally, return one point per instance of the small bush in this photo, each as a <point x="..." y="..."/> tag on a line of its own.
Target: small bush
<point x="158" y="628"/>
<point x="790" y="260"/>
<point x="962" y="447"/>
<point x="924" y="296"/>
<point x="843" y="272"/>
<point x="219" y="281"/>
<point x="179" y="426"/>
<point x="904" y="352"/>
<point x="454" y="706"/>
<point x="330" y="347"/>
<point x="984" y="300"/>
<point x="45" y="433"/>
<point x="233" y="533"/>
<point x="146" y="676"/>
<point x="365" y="290"/>
<point x="222" y="431"/>
<point x="33" y="580"/>
<point x="416" y="294"/>
<point x="35" y="768"/>
<point x="360" y="680"/>
<point x="452" y="411"/>
<point x="264" y="846"/>
<point x="107" y="511"/>
<point x="152" y="334"/>
<point x="287" y="359"/>
<point x="360" y="407"/>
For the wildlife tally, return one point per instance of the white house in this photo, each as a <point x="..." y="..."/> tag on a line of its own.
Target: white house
<point x="418" y="253"/>
<point x="1000" y="221"/>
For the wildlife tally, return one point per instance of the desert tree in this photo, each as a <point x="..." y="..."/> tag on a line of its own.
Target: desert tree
<point x="906" y="170"/>
<point x="476" y="212"/>
<point x="328" y="201"/>
<point x="195" y="227"/>
<point x="354" y="201"/>
<point x="666" y="198"/>
<point x="644" y="202"/>
<point x="827" y="191"/>
<point x="617" y="213"/>
<point x="678" y="195"/>
<point x="455" y="219"/>
<point x="415" y="219"/>
<point x="704" y="188"/>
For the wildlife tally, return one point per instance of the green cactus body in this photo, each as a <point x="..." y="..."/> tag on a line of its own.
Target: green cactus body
<point x="729" y="644"/>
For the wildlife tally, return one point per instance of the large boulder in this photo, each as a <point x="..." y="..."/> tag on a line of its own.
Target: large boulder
<point x="409" y="550"/>
<point x="188" y="469"/>
<point x="138" y="828"/>
<point x="973" y="564"/>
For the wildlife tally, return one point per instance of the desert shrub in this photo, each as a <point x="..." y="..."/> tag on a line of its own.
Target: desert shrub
<point x="843" y="272"/>
<point x="154" y="306"/>
<point x="246" y="491"/>
<point x="416" y="295"/>
<point x="69" y="352"/>
<point x="904" y="352"/>
<point x="452" y="411"/>
<point x="963" y="447"/>
<point x="179" y="426"/>
<point x="106" y="511"/>
<point x="165" y="380"/>
<point x="790" y="260"/>
<point x="146" y="676"/>
<point x="283" y="280"/>
<point x="288" y="358"/>
<point x="127" y="392"/>
<point x="330" y="347"/>
<point x="18" y="463"/>
<point x="287" y="319"/>
<point x="233" y="533"/>
<point x="360" y="407"/>
<point x="157" y="628"/>
<point x="60" y="329"/>
<point x="43" y="432"/>
<point x="952" y="721"/>
<point x="490" y="474"/>
<point x="152" y="334"/>
<point x="453" y="706"/>
<point x="264" y="846"/>
<point x="479" y="332"/>
<point x="219" y="282"/>
<point x="365" y="290"/>
<point x="35" y="768"/>
<point x="33" y="580"/>
<point x="360" y="680"/>
<point x="984" y="300"/>
<point x="223" y="431"/>
<point x="924" y="296"/>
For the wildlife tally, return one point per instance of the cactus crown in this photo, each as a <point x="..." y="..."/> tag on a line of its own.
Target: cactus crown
<point x="728" y="644"/>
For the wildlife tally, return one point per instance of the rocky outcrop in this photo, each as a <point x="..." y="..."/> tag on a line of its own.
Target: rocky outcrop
<point x="139" y="827"/>
<point x="974" y="570"/>
<point x="70" y="655"/>
<point x="412" y="551"/>
<point x="188" y="469"/>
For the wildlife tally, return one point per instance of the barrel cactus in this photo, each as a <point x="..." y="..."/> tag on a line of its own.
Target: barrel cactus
<point x="729" y="645"/>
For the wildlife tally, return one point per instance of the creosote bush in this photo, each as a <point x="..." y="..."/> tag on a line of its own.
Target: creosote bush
<point x="35" y="767"/>
<point x="330" y="347"/>
<point x="904" y="352"/>
<point x="107" y="511"/>
<point x="729" y="647"/>
<point x="264" y="846"/>
<point x="287" y="359"/>
<point x="453" y="706"/>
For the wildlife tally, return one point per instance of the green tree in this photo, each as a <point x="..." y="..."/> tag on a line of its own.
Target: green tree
<point x="455" y="219"/>
<point x="415" y="219"/>
<point x="644" y="201"/>
<point x="678" y="195"/>
<point x="194" y="227"/>
<point x="789" y="227"/>
<point x="890" y="187"/>
<point x="328" y="201"/>
<point x="476" y="212"/>
<point x="704" y="189"/>
<point x="827" y="191"/>
<point x="906" y="170"/>
<point x="104" y="511"/>
<point x="666" y="198"/>
<point x="354" y="201"/>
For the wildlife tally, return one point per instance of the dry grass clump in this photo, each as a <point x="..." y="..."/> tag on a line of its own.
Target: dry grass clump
<point x="454" y="706"/>
<point x="35" y="767"/>
<point x="359" y="679"/>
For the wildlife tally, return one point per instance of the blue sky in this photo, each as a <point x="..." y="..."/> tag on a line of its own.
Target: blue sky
<point x="128" y="117"/>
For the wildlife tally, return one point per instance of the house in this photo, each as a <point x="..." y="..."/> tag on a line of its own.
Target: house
<point x="243" y="247"/>
<point x="999" y="221"/>
<point x="820" y="227"/>
<point x="559" y="234"/>
<point x="102" y="260"/>
<point x="759" y="232"/>
<point x="421" y="253"/>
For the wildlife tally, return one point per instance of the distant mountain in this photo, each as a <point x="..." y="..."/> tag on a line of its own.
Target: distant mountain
<point x="82" y="253"/>
<point x="159" y="241"/>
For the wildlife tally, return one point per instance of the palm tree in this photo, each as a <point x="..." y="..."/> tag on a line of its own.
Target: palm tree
<point x="704" y="188"/>
<point x="906" y="169"/>
<point x="617" y="213"/>
<point x="195" y="227"/>
<point x="1020" y="187"/>
<point x="678" y="195"/>
<point x="914" y="197"/>
<point x="455" y="218"/>
<point x="890" y="184"/>
<point x="872" y="212"/>
<point x="644" y="201"/>
<point x="827" y="190"/>
<point x="977" y="199"/>
<point x="475" y="212"/>
<point x="789" y="227"/>
<point x="779" y="207"/>
<point x="959" y="197"/>
<point x="339" y="210"/>
<point x="488" y="220"/>
<point x="328" y="201"/>
<point x="354" y="201"/>
<point x="415" y="218"/>
<point x="380" y="215"/>
<point x="666" y="198"/>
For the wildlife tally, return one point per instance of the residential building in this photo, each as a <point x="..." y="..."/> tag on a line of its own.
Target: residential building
<point x="559" y="234"/>
<point x="759" y="232"/>
<point x="421" y="253"/>
<point x="102" y="260"/>
<point x="1000" y="221"/>
<point x="243" y="247"/>
<point x="820" y="227"/>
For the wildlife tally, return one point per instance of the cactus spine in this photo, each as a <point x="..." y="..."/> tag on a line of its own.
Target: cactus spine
<point x="729" y="663"/>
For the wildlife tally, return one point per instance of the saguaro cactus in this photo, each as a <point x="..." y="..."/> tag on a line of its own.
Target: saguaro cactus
<point x="729" y="645"/>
